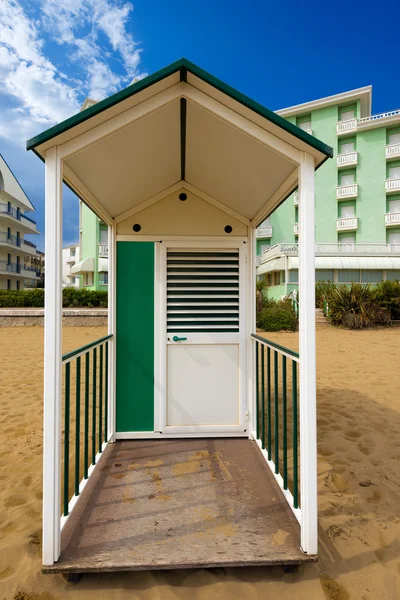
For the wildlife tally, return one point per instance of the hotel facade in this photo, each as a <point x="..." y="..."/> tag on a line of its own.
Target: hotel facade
<point x="357" y="196"/>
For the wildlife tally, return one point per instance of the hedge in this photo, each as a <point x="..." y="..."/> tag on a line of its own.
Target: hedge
<point x="72" y="297"/>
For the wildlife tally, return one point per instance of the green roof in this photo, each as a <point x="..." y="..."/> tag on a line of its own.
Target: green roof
<point x="184" y="66"/>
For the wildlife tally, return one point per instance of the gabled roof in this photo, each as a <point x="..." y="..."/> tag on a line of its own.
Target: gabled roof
<point x="184" y="67"/>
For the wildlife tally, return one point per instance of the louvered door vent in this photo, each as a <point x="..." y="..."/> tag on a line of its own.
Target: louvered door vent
<point x="203" y="291"/>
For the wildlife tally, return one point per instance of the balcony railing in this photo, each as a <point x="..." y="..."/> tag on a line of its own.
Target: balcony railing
<point x="346" y="126"/>
<point x="15" y="213"/>
<point x="30" y="271"/>
<point x="392" y="219"/>
<point x="392" y="185"/>
<point x="347" y="224"/>
<point x="332" y="249"/>
<point x="10" y="267"/>
<point x="392" y="151"/>
<point x="262" y="232"/>
<point x="347" y="191"/>
<point x="392" y="113"/>
<point x="347" y="160"/>
<point x="296" y="199"/>
<point x="103" y="250"/>
<point x="296" y="229"/>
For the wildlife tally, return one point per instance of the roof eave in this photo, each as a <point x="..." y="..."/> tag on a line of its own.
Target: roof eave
<point x="184" y="66"/>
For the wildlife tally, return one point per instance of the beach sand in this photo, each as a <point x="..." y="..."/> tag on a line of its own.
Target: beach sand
<point x="358" y="480"/>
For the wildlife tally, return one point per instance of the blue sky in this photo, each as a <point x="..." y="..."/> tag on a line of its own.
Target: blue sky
<point x="53" y="55"/>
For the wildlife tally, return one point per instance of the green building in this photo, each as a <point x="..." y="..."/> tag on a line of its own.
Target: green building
<point x="357" y="193"/>
<point x="93" y="251"/>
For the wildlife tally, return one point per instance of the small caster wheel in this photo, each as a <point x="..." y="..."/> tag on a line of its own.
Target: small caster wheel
<point x="72" y="577"/>
<point x="290" y="568"/>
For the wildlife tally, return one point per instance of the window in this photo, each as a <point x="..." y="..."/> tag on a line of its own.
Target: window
<point x="282" y="276"/>
<point x="371" y="276"/>
<point x="394" y="138"/>
<point x="9" y="259"/>
<point x="294" y="276"/>
<point x="18" y="284"/>
<point x="305" y="125"/>
<point x="277" y="278"/>
<point x="394" y="238"/>
<point x="72" y="252"/>
<point x="394" y="206"/>
<point x="264" y="247"/>
<point x="348" y="239"/>
<point x="324" y="275"/>
<point x="347" y="212"/>
<point x="269" y="279"/>
<point x="347" y="179"/>
<point x="393" y="275"/>
<point x="103" y="236"/>
<point x="349" y="276"/>
<point x="347" y="148"/>
<point x="88" y="279"/>
<point x="346" y="115"/>
<point x="9" y="284"/>
<point x="103" y="278"/>
<point x="394" y="172"/>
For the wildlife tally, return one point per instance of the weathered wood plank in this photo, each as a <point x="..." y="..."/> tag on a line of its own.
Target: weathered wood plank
<point x="180" y="504"/>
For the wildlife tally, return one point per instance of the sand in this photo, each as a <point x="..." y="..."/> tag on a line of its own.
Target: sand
<point x="358" y="479"/>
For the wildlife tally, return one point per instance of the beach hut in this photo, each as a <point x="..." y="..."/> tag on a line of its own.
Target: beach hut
<point x="182" y="438"/>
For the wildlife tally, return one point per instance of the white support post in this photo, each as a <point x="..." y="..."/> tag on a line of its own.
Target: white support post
<point x="251" y="312"/>
<point x="52" y="359"/>
<point x="112" y="263"/>
<point x="308" y="420"/>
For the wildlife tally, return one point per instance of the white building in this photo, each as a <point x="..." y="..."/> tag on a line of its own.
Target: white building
<point x="14" y="225"/>
<point x="70" y="256"/>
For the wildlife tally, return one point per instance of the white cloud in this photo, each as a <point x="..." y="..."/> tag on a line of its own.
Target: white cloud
<point x="37" y="92"/>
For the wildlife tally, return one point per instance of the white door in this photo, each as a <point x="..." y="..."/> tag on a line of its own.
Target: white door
<point x="205" y="340"/>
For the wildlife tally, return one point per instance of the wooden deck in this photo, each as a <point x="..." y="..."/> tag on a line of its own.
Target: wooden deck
<point x="179" y="504"/>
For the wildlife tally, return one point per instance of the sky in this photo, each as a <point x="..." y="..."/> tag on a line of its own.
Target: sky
<point x="54" y="54"/>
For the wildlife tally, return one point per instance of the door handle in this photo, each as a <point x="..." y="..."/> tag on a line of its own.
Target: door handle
<point x="178" y="339"/>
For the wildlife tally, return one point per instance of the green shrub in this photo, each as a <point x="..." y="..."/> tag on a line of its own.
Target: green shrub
<point x="277" y="317"/>
<point x="72" y="297"/>
<point x="356" y="307"/>
<point x="323" y="291"/>
<point x="388" y="294"/>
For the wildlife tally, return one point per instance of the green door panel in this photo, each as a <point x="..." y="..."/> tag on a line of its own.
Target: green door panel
<point x="135" y="336"/>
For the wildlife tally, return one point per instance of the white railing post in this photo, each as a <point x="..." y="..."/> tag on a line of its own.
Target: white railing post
<point x="112" y="278"/>
<point x="308" y="421"/>
<point x="52" y="359"/>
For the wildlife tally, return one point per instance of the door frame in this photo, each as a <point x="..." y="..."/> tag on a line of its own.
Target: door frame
<point x="160" y="338"/>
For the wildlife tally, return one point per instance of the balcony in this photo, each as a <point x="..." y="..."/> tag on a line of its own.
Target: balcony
<point x="296" y="229"/>
<point x="70" y="259"/>
<point x="333" y="249"/>
<point x="392" y="185"/>
<point x="347" y="160"/>
<point x="14" y="214"/>
<point x="347" y="224"/>
<point x="347" y="191"/>
<point x="392" y="219"/>
<point x="29" y="272"/>
<point x="103" y="250"/>
<point x="346" y="126"/>
<point x="296" y="199"/>
<point x="261" y="232"/>
<point x="392" y="151"/>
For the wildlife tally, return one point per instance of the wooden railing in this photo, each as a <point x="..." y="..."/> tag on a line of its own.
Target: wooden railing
<point x="85" y="417"/>
<point x="277" y="415"/>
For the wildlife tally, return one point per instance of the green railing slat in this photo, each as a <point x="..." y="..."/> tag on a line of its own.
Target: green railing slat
<point x="295" y="460"/>
<point x="106" y="397"/>
<point x="86" y="433"/>
<point x="85" y="348"/>
<point x="94" y="374"/>
<point x="269" y="400"/>
<point x="276" y="410"/>
<point x="101" y="399"/>
<point x="262" y="398"/>
<point x="66" y="436"/>
<point x="257" y="394"/>
<point x="275" y="346"/>
<point x="284" y="423"/>
<point x="77" y="422"/>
